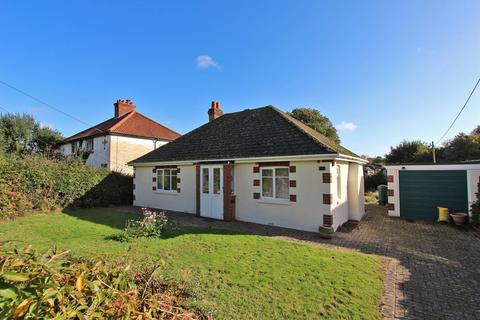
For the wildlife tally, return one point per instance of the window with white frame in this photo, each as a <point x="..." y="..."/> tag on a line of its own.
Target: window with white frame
<point x="167" y="179"/>
<point x="275" y="183"/>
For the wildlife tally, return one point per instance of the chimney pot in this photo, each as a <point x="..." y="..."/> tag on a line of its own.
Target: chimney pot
<point x="214" y="112"/>
<point x="123" y="106"/>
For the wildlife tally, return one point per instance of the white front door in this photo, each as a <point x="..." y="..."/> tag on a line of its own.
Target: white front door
<point x="211" y="193"/>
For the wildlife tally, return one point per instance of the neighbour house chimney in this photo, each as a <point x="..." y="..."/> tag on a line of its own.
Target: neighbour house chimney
<point x="123" y="106"/>
<point x="214" y="112"/>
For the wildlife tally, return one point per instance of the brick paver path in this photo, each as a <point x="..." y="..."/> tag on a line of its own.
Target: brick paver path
<point x="432" y="270"/>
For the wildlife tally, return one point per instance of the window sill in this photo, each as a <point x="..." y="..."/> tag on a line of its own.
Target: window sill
<point x="172" y="193"/>
<point x="284" y="202"/>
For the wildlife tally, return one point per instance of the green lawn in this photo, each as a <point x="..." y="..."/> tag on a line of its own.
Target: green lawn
<point x="235" y="276"/>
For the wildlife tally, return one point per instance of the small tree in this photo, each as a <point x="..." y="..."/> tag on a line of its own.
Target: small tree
<point x="314" y="119"/>
<point x="21" y="134"/>
<point x="46" y="140"/>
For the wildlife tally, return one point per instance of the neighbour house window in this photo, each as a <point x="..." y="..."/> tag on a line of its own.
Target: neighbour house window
<point x="75" y="147"/>
<point x="167" y="179"/>
<point x="275" y="183"/>
<point x="89" y="145"/>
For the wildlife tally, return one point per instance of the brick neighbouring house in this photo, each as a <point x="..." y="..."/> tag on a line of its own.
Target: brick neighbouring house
<point x="113" y="143"/>
<point x="258" y="165"/>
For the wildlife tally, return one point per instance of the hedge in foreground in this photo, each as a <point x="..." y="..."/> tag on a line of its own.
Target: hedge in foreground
<point x="54" y="286"/>
<point x="34" y="183"/>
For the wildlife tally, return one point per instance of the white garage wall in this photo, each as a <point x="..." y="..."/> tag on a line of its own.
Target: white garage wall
<point x="395" y="199"/>
<point x="473" y="179"/>
<point x="185" y="201"/>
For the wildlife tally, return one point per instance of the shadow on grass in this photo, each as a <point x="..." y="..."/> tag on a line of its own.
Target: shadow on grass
<point x="179" y="231"/>
<point x="102" y="215"/>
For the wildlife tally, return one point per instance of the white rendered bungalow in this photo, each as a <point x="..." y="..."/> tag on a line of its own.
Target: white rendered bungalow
<point x="258" y="165"/>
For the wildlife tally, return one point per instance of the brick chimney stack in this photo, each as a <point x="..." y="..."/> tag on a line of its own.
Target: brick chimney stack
<point x="123" y="106"/>
<point x="214" y="112"/>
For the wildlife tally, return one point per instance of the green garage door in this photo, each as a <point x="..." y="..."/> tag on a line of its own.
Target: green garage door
<point x="421" y="192"/>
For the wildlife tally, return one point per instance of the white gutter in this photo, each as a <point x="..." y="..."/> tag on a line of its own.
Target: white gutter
<point x="329" y="156"/>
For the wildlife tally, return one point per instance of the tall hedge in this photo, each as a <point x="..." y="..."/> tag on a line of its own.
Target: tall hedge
<point x="34" y="183"/>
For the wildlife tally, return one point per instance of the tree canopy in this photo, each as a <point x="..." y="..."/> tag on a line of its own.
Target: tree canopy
<point x="314" y="119"/>
<point x="21" y="133"/>
<point x="463" y="147"/>
<point x="409" y="152"/>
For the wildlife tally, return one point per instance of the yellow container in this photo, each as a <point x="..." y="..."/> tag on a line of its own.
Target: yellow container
<point x="443" y="214"/>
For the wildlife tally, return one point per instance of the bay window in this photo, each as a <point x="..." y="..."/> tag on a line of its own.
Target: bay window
<point x="167" y="179"/>
<point x="275" y="183"/>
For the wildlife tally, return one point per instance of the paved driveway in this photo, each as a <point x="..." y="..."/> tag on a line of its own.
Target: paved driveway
<point x="433" y="271"/>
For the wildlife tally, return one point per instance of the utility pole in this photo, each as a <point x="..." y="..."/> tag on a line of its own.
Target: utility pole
<point x="433" y="152"/>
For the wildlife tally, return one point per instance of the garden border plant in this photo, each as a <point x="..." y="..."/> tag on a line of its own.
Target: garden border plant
<point x="59" y="285"/>
<point x="154" y="224"/>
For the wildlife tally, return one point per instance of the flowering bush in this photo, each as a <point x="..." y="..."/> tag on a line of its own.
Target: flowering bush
<point x="153" y="225"/>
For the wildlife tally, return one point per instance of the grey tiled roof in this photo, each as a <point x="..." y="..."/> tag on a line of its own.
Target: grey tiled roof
<point x="251" y="133"/>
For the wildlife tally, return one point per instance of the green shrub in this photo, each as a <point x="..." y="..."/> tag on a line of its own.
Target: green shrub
<point x="61" y="287"/>
<point x="373" y="181"/>
<point x="34" y="183"/>
<point x="476" y="208"/>
<point x="153" y="225"/>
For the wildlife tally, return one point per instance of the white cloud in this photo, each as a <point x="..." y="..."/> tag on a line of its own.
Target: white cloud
<point x="205" y="62"/>
<point x="346" y="126"/>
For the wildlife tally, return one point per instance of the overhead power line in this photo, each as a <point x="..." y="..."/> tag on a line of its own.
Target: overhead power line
<point x="461" y="110"/>
<point x="54" y="146"/>
<point x="47" y="104"/>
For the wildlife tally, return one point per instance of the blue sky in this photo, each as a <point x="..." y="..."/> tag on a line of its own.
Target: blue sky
<point x="382" y="71"/>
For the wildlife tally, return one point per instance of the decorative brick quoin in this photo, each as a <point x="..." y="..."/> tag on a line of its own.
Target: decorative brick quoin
<point x="327" y="198"/>
<point x="390" y="178"/>
<point x="327" y="219"/>
<point x="327" y="177"/>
